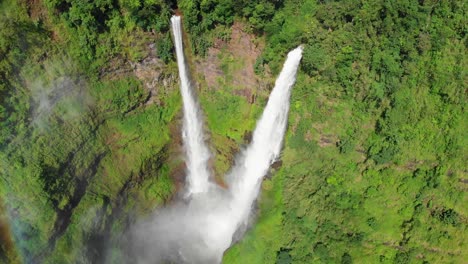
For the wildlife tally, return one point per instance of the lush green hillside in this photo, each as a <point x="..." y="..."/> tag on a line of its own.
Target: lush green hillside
<point x="374" y="164"/>
<point x="84" y="142"/>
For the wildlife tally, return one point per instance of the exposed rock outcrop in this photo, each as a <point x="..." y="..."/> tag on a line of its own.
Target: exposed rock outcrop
<point x="154" y="74"/>
<point x="158" y="78"/>
<point x="241" y="51"/>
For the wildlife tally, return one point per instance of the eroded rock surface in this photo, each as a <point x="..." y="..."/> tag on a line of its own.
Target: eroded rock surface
<point x="241" y="51"/>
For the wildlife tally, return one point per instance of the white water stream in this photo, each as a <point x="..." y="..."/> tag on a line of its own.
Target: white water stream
<point x="196" y="150"/>
<point x="253" y="164"/>
<point x="203" y="226"/>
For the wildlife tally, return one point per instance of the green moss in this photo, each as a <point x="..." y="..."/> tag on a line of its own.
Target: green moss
<point x="228" y="114"/>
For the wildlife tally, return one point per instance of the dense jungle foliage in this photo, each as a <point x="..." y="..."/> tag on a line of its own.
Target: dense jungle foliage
<point x="374" y="164"/>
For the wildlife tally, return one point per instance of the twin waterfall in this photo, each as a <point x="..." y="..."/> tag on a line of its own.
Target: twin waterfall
<point x="201" y="228"/>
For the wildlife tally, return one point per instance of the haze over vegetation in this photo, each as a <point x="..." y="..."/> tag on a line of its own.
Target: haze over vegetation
<point x="373" y="168"/>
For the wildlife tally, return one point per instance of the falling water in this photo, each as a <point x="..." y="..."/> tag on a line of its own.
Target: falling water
<point x="197" y="153"/>
<point x="252" y="165"/>
<point x="200" y="228"/>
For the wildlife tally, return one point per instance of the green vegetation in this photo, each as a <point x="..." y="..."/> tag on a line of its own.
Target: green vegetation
<point x="81" y="151"/>
<point x="373" y="167"/>
<point x="374" y="164"/>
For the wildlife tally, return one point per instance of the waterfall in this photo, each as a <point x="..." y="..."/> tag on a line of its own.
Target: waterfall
<point x="252" y="165"/>
<point x="197" y="153"/>
<point x="201" y="228"/>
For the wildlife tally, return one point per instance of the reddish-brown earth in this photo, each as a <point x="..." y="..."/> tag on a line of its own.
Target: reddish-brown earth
<point x="243" y="48"/>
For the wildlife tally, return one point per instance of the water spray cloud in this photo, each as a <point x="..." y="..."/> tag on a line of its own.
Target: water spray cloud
<point x="201" y="227"/>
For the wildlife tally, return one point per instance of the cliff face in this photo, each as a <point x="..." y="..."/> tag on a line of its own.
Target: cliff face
<point x="82" y="172"/>
<point x="98" y="153"/>
<point x="228" y="88"/>
<point x="86" y="155"/>
<point x="230" y="62"/>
